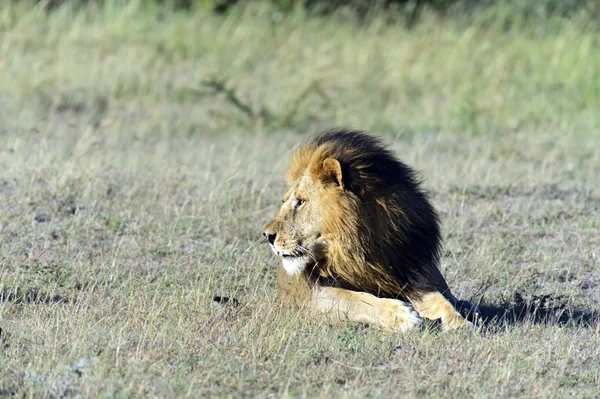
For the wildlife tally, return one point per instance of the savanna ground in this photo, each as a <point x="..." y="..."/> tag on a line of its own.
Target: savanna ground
<point x="133" y="189"/>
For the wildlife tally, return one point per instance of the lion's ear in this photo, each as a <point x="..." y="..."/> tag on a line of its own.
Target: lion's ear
<point x="332" y="172"/>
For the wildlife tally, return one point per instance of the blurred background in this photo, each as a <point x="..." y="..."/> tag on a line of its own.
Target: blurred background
<point x="478" y="67"/>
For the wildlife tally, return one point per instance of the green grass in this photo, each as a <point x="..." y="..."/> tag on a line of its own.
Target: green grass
<point x="131" y="193"/>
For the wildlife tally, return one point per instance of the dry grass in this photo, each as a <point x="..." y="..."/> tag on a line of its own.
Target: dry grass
<point x="130" y="194"/>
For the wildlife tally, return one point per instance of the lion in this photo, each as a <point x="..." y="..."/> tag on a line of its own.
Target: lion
<point x="359" y="239"/>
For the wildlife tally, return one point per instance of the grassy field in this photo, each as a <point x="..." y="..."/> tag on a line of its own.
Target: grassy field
<point x="142" y="153"/>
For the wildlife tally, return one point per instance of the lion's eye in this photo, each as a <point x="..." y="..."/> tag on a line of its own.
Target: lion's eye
<point x="299" y="203"/>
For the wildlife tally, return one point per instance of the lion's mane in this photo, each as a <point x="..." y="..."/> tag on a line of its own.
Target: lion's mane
<point x="387" y="235"/>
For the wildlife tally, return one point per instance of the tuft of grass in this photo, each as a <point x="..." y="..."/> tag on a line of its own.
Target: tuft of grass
<point x="131" y="196"/>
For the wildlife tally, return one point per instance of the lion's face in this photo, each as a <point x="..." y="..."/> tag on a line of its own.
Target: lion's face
<point x="315" y="210"/>
<point x="297" y="233"/>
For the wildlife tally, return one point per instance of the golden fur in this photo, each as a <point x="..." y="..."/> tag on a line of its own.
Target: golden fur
<point x="357" y="236"/>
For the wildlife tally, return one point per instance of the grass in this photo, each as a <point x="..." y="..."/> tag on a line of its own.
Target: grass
<point x="131" y="193"/>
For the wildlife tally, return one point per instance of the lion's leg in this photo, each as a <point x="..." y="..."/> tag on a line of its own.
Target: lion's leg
<point x="435" y="305"/>
<point x="344" y="305"/>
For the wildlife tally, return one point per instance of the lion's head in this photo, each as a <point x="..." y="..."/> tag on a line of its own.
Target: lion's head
<point x="307" y="221"/>
<point x="355" y="216"/>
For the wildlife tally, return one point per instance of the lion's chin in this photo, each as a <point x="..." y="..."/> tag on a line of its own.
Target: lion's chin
<point x="294" y="265"/>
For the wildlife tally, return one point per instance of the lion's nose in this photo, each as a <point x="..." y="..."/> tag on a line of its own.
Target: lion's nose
<point x="270" y="237"/>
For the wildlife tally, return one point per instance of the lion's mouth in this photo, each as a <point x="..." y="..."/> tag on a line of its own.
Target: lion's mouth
<point x="299" y="253"/>
<point x="294" y="261"/>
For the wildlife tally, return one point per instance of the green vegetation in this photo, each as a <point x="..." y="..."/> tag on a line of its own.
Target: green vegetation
<point x="142" y="152"/>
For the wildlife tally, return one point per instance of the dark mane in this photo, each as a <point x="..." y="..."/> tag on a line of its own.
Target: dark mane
<point x="399" y="227"/>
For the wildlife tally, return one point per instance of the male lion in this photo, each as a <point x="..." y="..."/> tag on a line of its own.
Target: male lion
<point x="358" y="237"/>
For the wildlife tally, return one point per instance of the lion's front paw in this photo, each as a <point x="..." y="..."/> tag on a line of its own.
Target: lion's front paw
<point x="456" y="320"/>
<point x="399" y="316"/>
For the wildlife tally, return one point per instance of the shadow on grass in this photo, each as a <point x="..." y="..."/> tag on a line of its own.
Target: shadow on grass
<point x="546" y="309"/>
<point x="30" y="296"/>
